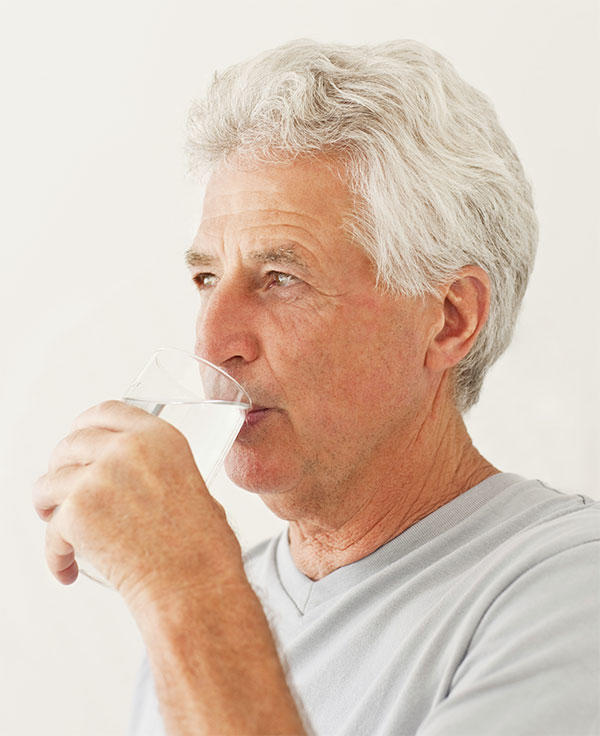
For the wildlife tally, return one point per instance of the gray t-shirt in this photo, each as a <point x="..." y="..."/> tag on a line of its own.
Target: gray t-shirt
<point x="481" y="619"/>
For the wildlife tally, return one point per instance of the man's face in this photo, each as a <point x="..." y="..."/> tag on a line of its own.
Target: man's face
<point x="289" y="307"/>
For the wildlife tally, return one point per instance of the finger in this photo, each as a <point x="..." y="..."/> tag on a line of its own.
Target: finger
<point x="51" y="489"/>
<point x="115" y="415"/>
<point x="80" y="447"/>
<point x="60" y="557"/>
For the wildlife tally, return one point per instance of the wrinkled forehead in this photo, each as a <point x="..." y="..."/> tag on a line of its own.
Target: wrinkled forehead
<point x="308" y="186"/>
<point x="297" y="211"/>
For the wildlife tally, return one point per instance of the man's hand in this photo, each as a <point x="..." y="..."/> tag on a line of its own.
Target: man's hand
<point x="123" y="491"/>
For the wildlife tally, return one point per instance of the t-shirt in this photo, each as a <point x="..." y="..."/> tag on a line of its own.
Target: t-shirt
<point x="481" y="619"/>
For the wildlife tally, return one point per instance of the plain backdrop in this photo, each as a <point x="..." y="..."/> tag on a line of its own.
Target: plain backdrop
<point x="96" y="214"/>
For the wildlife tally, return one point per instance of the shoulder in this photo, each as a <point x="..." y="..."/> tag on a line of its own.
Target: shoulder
<point x="529" y="520"/>
<point x="528" y="524"/>
<point x="523" y="545"/>
<point x="542" y="578"/>
<point x="530" y="608"/>
<point x="547" y="521"/>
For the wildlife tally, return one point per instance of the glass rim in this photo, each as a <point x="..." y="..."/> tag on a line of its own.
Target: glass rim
<point x="167" y="349"/>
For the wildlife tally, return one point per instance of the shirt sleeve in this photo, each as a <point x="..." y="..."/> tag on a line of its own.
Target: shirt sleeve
<point x="145" y="716"/>
<point x="533" y="664"/>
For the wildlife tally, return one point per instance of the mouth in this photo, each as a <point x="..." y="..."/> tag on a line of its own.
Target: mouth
<point x="255" y="415"/>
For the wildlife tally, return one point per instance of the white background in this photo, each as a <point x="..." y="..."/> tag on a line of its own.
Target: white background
<point x="96" y="214"/>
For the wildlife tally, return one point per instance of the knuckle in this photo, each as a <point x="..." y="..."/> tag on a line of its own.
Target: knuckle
<point x="108" y="405"/>
<point x="90" y="416"/>
<point x="63" y="447"/>
<point x="81" y="436"/>
<point x="81" y="499"/>
<point x="59" y="553"/>
<point x="37" y="487"/>
<point x="38" y="497"/>
<point x="58" y="451"/>
<point x="69" y="445"/>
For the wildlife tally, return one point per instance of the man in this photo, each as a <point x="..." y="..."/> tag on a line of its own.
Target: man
<point x="365" y="242"/>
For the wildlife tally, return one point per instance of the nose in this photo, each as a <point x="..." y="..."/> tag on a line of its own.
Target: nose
<point x="226" y="333"/>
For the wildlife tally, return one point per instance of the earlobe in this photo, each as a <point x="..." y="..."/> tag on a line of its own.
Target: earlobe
<point x="463" y="310"/>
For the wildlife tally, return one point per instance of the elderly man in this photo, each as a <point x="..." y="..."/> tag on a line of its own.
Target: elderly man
<point x="366" y="239"/>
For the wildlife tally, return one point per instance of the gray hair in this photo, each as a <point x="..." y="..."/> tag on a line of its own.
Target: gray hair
<point x="437" y="183"/>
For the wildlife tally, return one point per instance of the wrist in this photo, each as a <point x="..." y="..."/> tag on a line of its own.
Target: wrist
<point x="214" y="662"/>
<point x="173" y="596"/>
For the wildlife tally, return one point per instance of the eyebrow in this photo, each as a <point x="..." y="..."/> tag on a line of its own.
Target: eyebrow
<point x="282" y="255"/>
<point x="194" y="258"/>
<point x="286" y="255"/>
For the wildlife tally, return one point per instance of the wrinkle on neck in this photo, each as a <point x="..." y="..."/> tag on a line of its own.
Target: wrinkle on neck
<point x="435" y="465"/>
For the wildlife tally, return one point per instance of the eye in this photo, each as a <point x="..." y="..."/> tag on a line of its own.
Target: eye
<point x="205" y="280"/>
<point x="277" y="278"/>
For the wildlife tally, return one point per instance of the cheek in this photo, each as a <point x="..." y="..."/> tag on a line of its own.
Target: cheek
<point x="300" y="342"/>
<point x="376" y="367"/>
<point x="334" y="360"/>
<point x="345" y="362"/>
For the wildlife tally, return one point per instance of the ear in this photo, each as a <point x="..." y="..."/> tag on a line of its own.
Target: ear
<point x="463" y="309"/>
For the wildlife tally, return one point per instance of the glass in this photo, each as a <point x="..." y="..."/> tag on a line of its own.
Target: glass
<point x="202" y="401"/>
<point x="199" y="399"/>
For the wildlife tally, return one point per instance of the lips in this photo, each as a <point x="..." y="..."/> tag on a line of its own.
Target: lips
<point x="255" y="415"/>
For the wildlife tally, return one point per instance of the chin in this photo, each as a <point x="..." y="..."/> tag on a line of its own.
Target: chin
<point x="263" y="475"/>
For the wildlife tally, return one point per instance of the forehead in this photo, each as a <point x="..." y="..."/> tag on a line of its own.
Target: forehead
<point x="306" y="194"/>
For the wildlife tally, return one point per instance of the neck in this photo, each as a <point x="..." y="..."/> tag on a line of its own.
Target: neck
<point x="402" y="485"/>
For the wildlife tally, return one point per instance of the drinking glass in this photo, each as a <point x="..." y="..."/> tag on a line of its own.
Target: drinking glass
<point x="199" y="399"/>
<point x="202" y="401"/>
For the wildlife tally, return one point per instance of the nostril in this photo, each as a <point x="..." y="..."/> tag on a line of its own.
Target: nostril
<point x="228" y="350"/>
